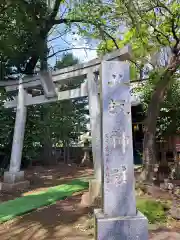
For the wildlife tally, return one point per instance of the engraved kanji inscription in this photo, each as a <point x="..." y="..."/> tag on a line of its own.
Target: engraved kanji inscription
<point x="118" y="176"/>
<point x="119" y="140"/>
<point x="116" y="79"/>
<point x="116" y="106"/>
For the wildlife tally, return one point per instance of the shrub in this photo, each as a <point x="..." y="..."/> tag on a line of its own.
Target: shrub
<point x="154" y="210"/>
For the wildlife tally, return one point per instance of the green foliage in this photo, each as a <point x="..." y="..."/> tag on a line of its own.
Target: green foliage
<point x="149" y="27"/>
<point x="59" y="123"/>
<point x="20" y="24"/>
<point x="93" y="23"/>
<point x="25" y="25"/>
<point x="67" y="118"/>
<point x="154" y="210"/>
<point x="54" y="124"/>
<point x="152" y="30"/>
<point x="168" y="121"/>
<point x="67" y="60"/>
<point x="7" y="117"/>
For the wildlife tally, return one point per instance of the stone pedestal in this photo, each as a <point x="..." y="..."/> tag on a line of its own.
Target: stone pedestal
<point x="11" y="187"/>
<point x="120" y="228"/>
<point x="10" y="177"/>
<point x="14" y="182"/>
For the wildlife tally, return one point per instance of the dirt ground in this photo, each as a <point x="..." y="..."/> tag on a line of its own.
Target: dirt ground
<point x="42" y="178"/>
<point x="65" y="220"/>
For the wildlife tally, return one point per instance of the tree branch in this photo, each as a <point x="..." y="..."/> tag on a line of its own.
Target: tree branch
<point x="69" y="49"/>
<point x="59" y="36"/>
<point x="161" y="5"/>
<point x="159" y="40"/>
<point x="112" y="38"/>
<point x="55" y="9"/>
<point x="151" y="24"/>
<point x="66" y="21"/>
<point x="43" y="34"/>
<point x="173" y="28"/>
<point x="31" y="64"/>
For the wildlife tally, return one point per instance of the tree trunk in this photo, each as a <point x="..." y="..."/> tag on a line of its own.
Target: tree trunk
<point x="68" y="153"/>
<point x="149" y="155"/>
<point x="47" y="144"/>
<point x="64" y="153"/>
<point x="48" y="158"/>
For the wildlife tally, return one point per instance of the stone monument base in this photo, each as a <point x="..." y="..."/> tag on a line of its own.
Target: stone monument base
<point x="10" y="187"/>
<point x="13" y="177"/>
<point x="120" y="228"/>
<point x="14" y="182"/>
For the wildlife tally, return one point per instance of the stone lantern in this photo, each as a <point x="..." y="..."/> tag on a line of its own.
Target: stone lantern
<point x="85" y="139"/>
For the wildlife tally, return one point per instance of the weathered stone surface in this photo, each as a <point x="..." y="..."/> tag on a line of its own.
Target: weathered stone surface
<point x="119" y="194"/>
<point x="93" y="196"/>
<point x="10" y="177"/>
<point x="10" y="187"/>
<point x="19" y="129"/>
<point x="120" y="228"/>
<point x="118" y="219"/>
<point x="95" y="121"/>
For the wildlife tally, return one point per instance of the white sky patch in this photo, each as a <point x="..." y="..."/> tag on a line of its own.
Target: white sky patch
<point x="85" y="51"/>
<point x="62" y="41"/>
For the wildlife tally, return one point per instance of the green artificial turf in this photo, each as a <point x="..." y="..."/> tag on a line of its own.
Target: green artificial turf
<point x="22" y="205"/>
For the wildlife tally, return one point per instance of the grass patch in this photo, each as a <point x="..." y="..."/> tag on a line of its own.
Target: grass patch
<point x="154" y="210"/>
<point x="22" y="205"/>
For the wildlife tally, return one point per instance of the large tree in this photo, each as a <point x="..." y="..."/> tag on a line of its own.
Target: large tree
<point x="20" y="25"/>
<point x="153" y="30"/>
<point x="26" y="25"/>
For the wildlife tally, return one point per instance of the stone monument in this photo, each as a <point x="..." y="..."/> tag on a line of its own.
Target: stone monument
<point x="118" y="219"/>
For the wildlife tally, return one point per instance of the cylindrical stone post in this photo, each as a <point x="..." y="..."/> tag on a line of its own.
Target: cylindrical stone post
<point x="19" y="129"/>
<point x="95" y="122"/>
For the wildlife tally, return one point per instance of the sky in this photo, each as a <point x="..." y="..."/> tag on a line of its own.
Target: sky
<point x="69" y="41"/>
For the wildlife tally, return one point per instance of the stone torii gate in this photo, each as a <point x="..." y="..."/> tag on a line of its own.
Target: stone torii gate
<point x="49" y="84"/>
<point x="107" y="86"/>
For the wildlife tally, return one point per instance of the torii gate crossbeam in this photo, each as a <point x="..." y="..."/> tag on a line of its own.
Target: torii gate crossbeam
<point x="89" y="88"/>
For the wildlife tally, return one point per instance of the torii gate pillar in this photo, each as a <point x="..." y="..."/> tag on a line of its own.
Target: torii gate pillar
<point x="14" y="178"/>
<point x="95" y="121"/>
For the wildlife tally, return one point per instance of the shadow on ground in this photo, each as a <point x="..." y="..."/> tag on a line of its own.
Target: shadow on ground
<point x="42" y="178"/>
<point x="64" y="220"/>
